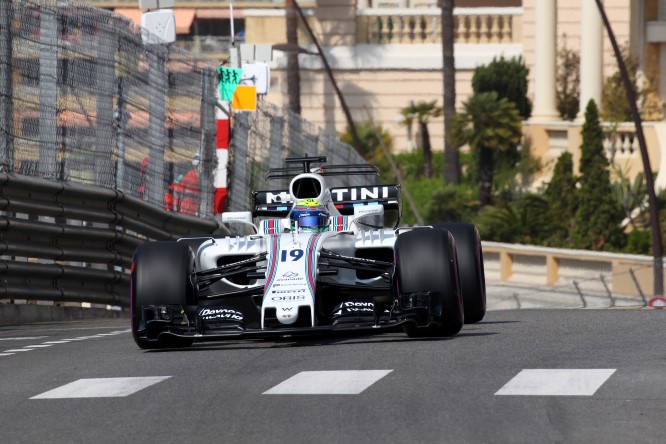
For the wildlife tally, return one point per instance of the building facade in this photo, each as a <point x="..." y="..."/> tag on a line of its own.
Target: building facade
<point x="387" y="53"/>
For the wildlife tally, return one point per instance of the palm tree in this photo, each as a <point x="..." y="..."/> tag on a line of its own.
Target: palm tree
<point x="529" y="212"/>
<point x="487" y="123"/>
<point x="422" y="112"/>
<point x="451" y="158"/>
<point x="293" y="68"/>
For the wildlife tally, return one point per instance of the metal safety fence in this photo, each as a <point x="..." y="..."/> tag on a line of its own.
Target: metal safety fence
<point x="88" y="97"/>
<point x="67" y="242"/>
<point x="263" y="139"/>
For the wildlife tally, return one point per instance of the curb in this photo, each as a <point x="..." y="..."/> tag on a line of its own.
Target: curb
<point x="19" y="314"/>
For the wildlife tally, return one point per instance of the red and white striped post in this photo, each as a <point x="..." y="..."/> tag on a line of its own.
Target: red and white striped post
<point x="222" y="151"/>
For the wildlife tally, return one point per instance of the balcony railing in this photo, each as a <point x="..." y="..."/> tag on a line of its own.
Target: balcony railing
<point x="204" y="44"/>
<point x="187" y="3"/>
<point x="619" y="141"/>
<point x="423" y="25"/>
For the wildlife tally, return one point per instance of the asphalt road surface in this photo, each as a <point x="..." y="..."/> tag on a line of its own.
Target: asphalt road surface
<point x="520" y="376"/>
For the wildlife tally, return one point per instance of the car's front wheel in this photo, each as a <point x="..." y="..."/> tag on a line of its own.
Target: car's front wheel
<point x="425" y="263"/>
<point x="160" y="276"/>
<point x="470" y="269"/>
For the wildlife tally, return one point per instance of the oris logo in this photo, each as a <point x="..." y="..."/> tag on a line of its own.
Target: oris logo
<point x="287" y="298"/>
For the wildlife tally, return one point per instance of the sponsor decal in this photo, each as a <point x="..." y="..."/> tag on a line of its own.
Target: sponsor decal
<point x="358" y="306"/>
<point x="241" y="217"/>
<point x="281" y="196"/>
<point x="300" y="279"/>
<point x="290" y="274"/>
<point x="359" y="193"/>
<point x="289" y="298"/>
<point x="211" y="314"/>
<point x="302" y="290"/>
<point x="350" y="307"/>
<point x="308" y="203"/>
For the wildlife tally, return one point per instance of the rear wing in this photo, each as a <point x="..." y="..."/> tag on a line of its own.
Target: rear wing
<point x="276" y="204"/>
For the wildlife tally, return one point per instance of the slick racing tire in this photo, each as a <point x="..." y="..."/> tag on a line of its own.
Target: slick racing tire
<point x="425" y="262"/>
<point x="160" y="276"/>
<point x="470" y="269"/>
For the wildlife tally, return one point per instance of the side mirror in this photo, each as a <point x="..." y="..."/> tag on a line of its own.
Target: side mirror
<point x="370" y="216"/>
<point x="238" y="217"/>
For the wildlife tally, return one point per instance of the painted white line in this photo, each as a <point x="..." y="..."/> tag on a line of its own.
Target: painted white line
<point x="74" y="339"/>
<point x="38" y="346"/>
<point x="23" y="339"/>
<point x="342" y="382"/>
<point x="101" y="388"/>
<point x="18" y="350"/>
<point x="556" y="382"/>
<point x="6" y="354"/>
<point x="55" y="342"/>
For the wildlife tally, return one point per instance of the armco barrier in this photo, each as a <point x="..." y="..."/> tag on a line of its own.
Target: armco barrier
<point x="66" y="242"/>
<point x="585" y="272"/>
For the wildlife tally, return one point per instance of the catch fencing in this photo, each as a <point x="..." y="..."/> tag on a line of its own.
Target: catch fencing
<point x="88" y="97"/>
<point x="263" y="139"/>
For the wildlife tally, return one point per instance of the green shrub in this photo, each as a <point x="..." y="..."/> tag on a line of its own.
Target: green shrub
<point x="508" y="78"/>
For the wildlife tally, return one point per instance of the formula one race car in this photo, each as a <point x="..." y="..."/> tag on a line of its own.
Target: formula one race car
<point x="317" y="260"/>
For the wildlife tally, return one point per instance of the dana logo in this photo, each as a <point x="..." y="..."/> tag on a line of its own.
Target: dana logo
<point x="210" y="314"/>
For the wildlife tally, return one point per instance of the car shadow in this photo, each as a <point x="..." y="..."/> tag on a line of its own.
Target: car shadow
<point x="322" y="341"/>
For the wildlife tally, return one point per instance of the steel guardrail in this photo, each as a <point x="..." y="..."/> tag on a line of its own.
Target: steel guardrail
<point x="68" y="242"/>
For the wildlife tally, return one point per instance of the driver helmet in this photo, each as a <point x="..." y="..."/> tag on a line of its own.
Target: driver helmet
<point x="309" y="218"/>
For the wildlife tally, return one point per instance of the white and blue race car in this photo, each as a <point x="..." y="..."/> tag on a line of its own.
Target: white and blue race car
<point x="315" y="260"/>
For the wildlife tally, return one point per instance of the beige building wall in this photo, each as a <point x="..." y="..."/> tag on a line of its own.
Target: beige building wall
<point x="382" y="94"/>
<point x="619" y="13"/>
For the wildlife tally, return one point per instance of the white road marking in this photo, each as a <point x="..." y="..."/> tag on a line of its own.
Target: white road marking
<point x="341" y="382"/>
<point x="23" y="339"/>
<point x="50" y="343"/>
<point x="101" y="388"/>
<point x="556" y="382"/>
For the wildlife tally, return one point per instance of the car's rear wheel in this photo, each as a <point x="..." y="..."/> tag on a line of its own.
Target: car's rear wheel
<point x="160" y="276"/>
<point x="470" y="269"/>
<point x="425" y="262"/>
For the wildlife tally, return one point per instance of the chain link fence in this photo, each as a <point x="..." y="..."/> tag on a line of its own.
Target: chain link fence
<point x="85" y="97"/>
<point x="88" y="97"/>
<point x="263" y="139"/>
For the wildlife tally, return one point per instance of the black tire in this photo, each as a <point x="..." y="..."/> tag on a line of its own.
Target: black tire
<point x="470" y="269"/>
<point x="160" y="276"/>
<point x="425" y="261"/>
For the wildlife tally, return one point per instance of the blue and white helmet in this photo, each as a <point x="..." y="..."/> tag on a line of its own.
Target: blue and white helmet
<point x="313" y="218"/>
